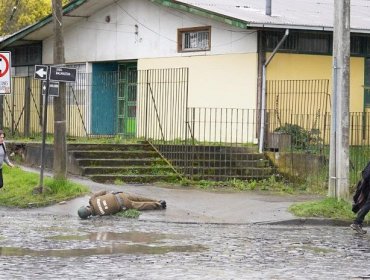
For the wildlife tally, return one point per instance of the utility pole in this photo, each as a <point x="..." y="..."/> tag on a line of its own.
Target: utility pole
<point x="339" y="136"/>
<point x="60" y="141"/>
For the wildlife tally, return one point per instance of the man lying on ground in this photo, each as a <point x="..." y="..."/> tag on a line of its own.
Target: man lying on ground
<point x="109" y="203"/>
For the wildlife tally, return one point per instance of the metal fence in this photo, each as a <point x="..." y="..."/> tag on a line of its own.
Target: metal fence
<point x="300" y="146"/>
<point x="131" y="104"/>
<point x="162" y="104"/>
<point x="285" y="97"/>
<point x="22" y="110"/>
<point x="155" y="107"/>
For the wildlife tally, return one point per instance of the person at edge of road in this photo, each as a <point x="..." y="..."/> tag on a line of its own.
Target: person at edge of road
<point x="105" y="203"/>
<point x="3" y="157"/>
<point x="361" y="200"/>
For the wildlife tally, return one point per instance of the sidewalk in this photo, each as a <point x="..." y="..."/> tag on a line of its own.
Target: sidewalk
<point x="196" y="206"/>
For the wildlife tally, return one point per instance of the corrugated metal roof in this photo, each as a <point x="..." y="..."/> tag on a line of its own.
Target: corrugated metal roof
<point x="309" y="14"/>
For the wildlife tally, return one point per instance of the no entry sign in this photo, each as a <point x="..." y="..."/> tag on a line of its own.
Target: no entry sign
<point x="5" y="69"/>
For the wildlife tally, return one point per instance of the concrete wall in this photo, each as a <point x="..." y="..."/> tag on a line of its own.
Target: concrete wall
<point x="94" y="39"/>
<point x="31" y="155"/>
<point x="298" y="166"/>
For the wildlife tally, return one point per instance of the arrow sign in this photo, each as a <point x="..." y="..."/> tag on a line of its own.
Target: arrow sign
<point x="41" y="72"/>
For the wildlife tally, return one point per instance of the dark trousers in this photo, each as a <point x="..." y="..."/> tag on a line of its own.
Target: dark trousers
<point x="1" y="178"/>
<point x="363" y="211"/>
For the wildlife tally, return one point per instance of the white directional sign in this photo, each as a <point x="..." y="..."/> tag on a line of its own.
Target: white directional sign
<point x="41" y="72"/>
<point x="5" y="69"/>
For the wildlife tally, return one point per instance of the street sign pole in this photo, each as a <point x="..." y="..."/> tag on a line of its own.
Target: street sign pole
<point x="44" y="131"/>
<point x="51" y="76"/>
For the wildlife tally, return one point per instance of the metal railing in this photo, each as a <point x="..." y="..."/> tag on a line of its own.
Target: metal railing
<point x="162" y="116"/>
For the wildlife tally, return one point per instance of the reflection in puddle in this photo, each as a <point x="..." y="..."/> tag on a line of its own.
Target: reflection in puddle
<point x="318" y="250"/>
<point x="133" y="236"/>
<point x="113" y="249"/>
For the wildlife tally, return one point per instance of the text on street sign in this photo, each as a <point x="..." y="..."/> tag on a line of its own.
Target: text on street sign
<point x="63" y="74"/>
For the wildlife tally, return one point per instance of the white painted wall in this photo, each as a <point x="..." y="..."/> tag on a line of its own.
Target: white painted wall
<point x="93" y="39"/>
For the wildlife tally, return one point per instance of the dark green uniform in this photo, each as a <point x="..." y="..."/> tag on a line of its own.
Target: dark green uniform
<point x="103" y="203"/>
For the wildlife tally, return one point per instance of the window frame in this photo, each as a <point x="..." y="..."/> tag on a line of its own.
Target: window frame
<point x="180" y="38"/>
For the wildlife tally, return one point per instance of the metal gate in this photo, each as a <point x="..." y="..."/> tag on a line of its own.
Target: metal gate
<point x="301" y="105"/>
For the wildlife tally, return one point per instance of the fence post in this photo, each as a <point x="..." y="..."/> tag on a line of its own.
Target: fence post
<point x="146" y="104"/>
<point x="27" y="102"/>
<point x="2" y="111"/>
<point x="12" y="115"/>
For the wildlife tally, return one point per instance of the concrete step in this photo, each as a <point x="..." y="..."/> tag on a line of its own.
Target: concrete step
<point x="127" y="170"/>
<point x="109" y="147"/>
<point x="109" y="178"/>
<point x="227" y="177"/>
<point x="216" y="156"/>
<point x="227" y="171"/>
<point x="120" y="162"/>
<point x="208" y="149"/>
<point x="223" y="163"/>
<point x="81" y="154"/>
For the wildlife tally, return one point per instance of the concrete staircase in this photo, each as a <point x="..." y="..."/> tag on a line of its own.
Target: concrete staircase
<point x="219" y="163"/>
<point x="120" y="163"/>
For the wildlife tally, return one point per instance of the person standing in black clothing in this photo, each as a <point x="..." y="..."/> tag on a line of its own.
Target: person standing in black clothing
<point x="361" y="200"/>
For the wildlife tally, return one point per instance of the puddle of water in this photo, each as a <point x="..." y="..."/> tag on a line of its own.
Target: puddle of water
<point x="113" y="249"/>
<point x="286" y="228"/>
<point x="133" y="236"/>
<point x="56" y="228"/>
<point x="318" y="250"/>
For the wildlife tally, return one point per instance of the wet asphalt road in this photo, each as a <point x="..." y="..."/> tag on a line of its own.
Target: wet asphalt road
<point x="43" y="246"/>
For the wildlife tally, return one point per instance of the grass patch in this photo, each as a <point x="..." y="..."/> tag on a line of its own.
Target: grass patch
<point x="272" y="184"/>
<point x="130" y="213"/>
<point x="326" y="208"/>
<point x="19" y="185"/>
<point x="117" y="139"/>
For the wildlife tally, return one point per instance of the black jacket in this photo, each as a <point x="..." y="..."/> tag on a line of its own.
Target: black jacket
<point x="362" y="190"/>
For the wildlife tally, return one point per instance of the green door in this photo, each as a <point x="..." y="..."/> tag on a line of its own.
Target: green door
<point x="127" y="84"/>
<point x="367" y="84"/>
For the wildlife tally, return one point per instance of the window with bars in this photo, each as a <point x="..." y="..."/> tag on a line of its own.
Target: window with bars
<point x="315" y="42"/>
<point x="194" y="39"/>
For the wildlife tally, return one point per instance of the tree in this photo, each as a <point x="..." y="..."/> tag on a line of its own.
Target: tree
<point x="17" y="14"/>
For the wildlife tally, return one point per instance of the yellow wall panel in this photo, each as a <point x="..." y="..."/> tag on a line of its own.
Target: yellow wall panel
<point x="310" y="67"/>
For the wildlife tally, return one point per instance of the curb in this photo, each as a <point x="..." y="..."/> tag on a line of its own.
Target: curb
<point x="310" y="222"/>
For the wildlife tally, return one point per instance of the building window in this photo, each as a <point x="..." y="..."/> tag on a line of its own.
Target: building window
<point x="26" y="55"/>
<point x="314" y="43"/>
<point x="194" y="39"/>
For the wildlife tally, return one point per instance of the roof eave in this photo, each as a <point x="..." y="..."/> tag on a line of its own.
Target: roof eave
<point x="291" y="26"/>
<point x="303" y="27"/>
<point x="24" y="32"/>
<point x="183" y="7"/>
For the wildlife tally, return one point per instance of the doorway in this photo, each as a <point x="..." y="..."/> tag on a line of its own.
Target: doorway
<point x="126" y="99"/>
